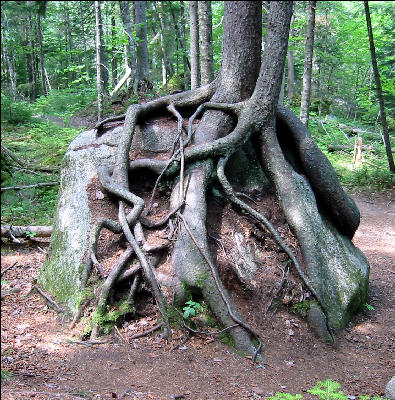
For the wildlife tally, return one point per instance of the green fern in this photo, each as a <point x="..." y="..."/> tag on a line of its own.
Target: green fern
<point x="328" y="390"/>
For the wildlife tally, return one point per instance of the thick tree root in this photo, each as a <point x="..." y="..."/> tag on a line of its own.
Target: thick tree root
<point x="219" y="288"/>
<point x="230" y="193"/>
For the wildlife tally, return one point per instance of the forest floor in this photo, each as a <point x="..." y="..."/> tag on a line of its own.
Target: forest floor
<point x="46" y="361"/>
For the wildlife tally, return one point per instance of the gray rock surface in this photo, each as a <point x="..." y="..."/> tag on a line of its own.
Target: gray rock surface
<point x="73" y="222"/>
<point x="390" y="389"/>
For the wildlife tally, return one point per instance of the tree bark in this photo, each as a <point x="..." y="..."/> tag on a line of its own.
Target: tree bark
<point x="42" y="65"/>
<point x="205" y="42"/>
<point x="242" y="30"/>
<point x="194" y="43"/>
<point x="379" y="90"/>
<point x="114" y="63"/>
<point x="308" y="61"/>
<point x="99" y="83"/>
<point x="125" y="14"/>
<point x="7" y="58"/>
<point x="142" y="68"/>
<point x="186" y="64"/>
<point x="291" y="68"/>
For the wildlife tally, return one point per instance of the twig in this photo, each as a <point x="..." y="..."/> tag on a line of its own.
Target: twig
<point x="89" y="343"/>
<point x="8" y="268"/>
<point x="29" y="186"/>
<point x="79" y="313"/>
<point x="120" y="335"/>
<point x="49" y="299"/>
<point x="153" y="329"/>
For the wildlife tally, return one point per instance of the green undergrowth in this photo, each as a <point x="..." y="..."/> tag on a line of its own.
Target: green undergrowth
<point x="373" y="174"/>
<point x="36" y="143"/>
<point x="323" y="390"/>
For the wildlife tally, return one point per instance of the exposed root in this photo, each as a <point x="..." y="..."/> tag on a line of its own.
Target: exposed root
<point x="229" y="191"/>
<point x="218" y="285"/>
<point x="153" y="329"/>
<point x="147" y="268"/>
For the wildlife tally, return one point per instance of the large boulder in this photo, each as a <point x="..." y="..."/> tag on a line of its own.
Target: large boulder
<point x="78" y="208"/>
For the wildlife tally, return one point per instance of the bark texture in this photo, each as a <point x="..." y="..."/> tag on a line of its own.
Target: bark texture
<point x="194" y="38"/>
<point x="206" y="42"/>
<point x="308" y="62"/>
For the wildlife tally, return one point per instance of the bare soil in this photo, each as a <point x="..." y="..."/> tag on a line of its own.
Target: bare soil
<point x="48" y="360"/>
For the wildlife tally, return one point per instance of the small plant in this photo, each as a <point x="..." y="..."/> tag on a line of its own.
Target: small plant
<point x="191" y="308"/>
<point x="328" y="390"/>
<point x="368" y="307"/>
<point x="302" y="308"/>
<point x="30" y="234"/>
<point x="5" y="375"/>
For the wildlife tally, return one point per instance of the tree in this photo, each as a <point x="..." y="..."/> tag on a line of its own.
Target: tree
<point x="125" y="14"/>
<point x="140" y="20"/>
<point x="241" y="131"/>
<point x="99" y="82"/>
<point x="379" y="90"/>
<point x="194" y="44"/>
<point x="291" y="69"/>
<point x="308" y="61"/>
<point x="205" y="42"/>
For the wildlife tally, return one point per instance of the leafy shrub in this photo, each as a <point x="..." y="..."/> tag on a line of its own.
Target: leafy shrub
<point x="15" y="112"/>
<point x="64" y="102"/>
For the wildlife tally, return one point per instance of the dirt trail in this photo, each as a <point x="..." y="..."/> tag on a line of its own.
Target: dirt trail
<point x="45" y="365"/>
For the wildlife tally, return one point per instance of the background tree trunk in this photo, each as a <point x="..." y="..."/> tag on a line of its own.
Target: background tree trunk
<point x="131" y="59"/>
<point x="140" y="19"/>
<point x="99" y="83"/>
<point x="187" y="66"/>
<point x="379" y="90"/>
<point x="308" y="61"/>
<point x="291" y="68"/>
<point x="194" y="43"/>
<point x="7" y="59"/>
<point x="205" y="42"/>
<point x="42" y="65"/>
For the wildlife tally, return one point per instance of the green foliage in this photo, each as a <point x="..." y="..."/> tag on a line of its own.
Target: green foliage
<point x="5" y="375"/>
<point x="302" y="308"/>
<point x="14" y="112"/>
<point x="328" y="390"/>
<point x="64" y="103"/>
<point x="324" y="390"/>
<point x="368" y="307"/>
<point x="107" y="319"/>
<point x="191" y="308"/>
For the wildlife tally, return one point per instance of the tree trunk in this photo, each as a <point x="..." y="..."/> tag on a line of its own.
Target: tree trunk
<point x="205" y="42"/>
<point x="142" y="68"/>
<point x="186" y="64"/>
<point x="7" y="59"/>
<point x="114" y="63"/>
<point x="379" y="90"/>
<point x="99" y="82"/>
<point x="194" y="43"/>
<point x="291" y="69"/>
<point x="125" y="14"/>
<point x="40" y="44"/>
<point x="308" y="60"/>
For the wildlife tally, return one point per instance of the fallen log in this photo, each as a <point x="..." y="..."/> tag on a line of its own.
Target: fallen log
<point x="349" y="147"/>
<point x="25" y="231"/>
<point x="29" y="186"/>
